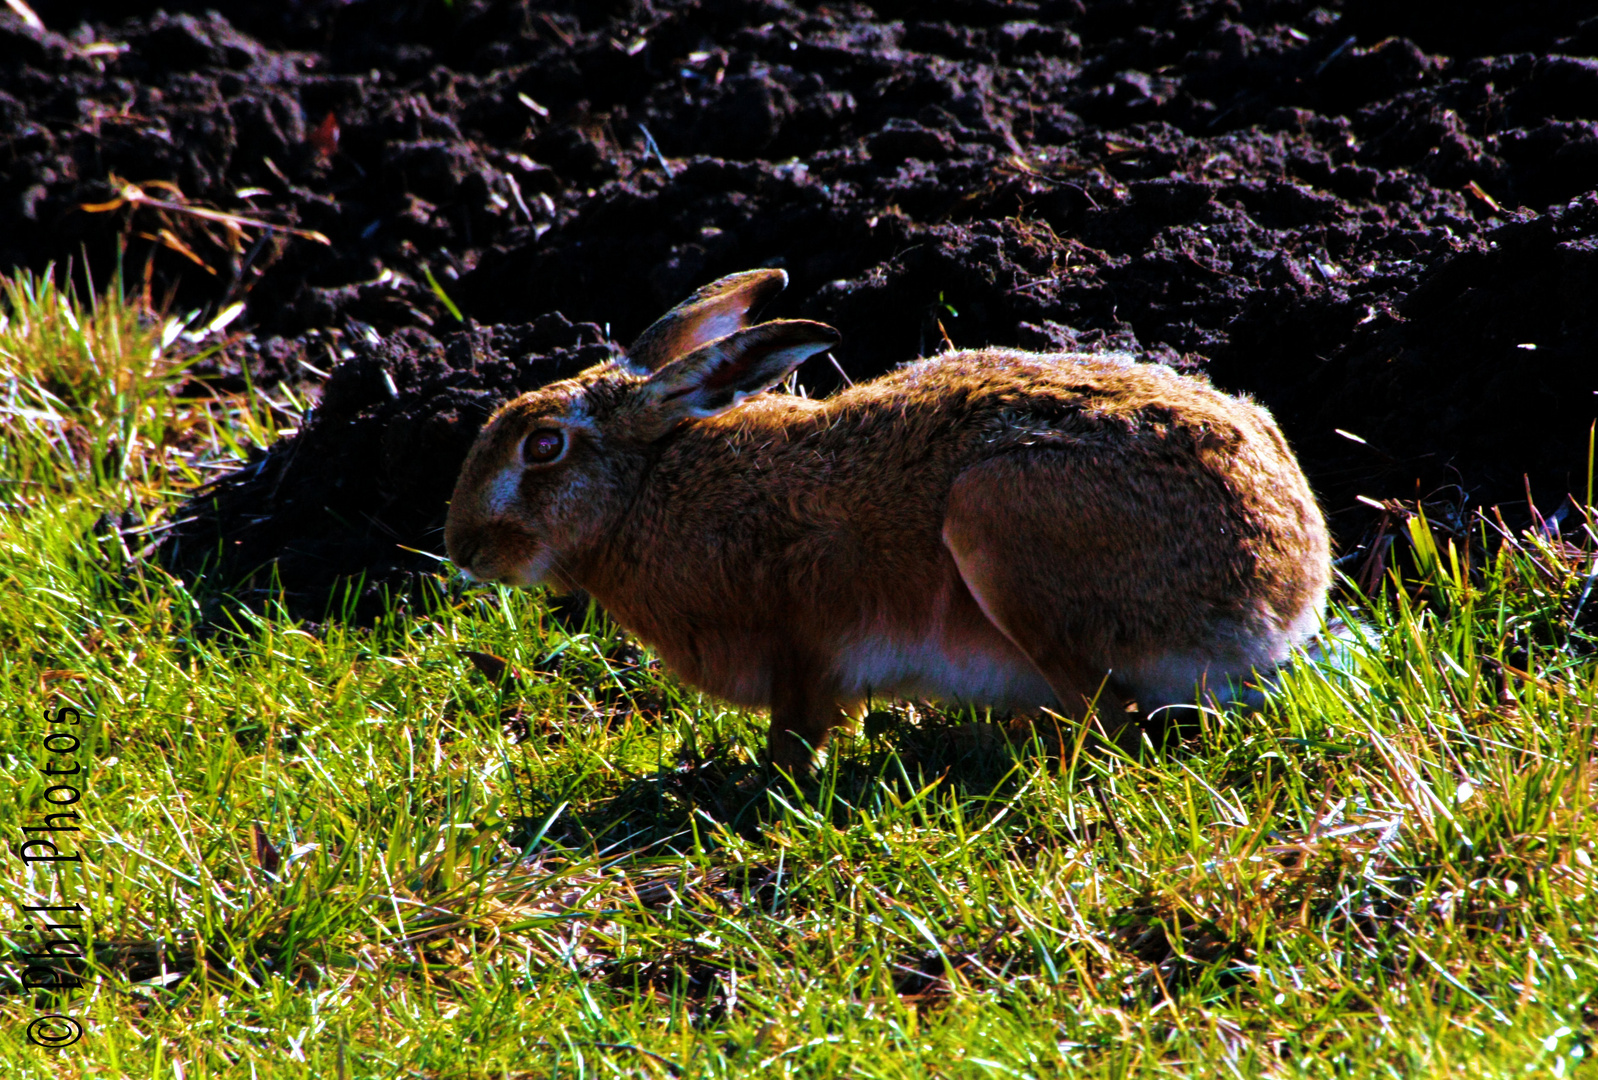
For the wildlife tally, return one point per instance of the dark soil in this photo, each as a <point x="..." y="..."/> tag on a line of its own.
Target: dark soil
<point x="1376" y="217"/>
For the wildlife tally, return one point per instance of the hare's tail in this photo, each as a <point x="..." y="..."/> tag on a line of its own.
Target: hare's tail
<point x="1336" y="645"/>
<point x="1333" y="649"/>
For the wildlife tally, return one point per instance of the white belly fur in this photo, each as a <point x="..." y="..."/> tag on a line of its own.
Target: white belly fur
<point x="930" y="668"/>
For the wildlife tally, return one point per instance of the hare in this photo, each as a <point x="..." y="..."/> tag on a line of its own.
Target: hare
<point x="991" y="526"/>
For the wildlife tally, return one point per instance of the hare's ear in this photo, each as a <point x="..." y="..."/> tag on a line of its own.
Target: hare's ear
<point x="720" y="308"/>
<point x="715" y="377"/>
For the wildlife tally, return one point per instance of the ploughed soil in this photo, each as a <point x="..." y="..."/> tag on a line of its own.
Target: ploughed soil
<point x="1378" y="218"/>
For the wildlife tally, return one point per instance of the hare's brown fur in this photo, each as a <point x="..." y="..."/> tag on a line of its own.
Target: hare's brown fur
<point x="992" y="526"/>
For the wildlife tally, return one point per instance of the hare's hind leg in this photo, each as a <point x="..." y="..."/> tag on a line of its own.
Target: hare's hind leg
<point x="1006" y="533"/>
<point x="1101" y="564"/>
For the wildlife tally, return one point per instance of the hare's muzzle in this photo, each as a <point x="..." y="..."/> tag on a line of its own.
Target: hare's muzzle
<point x="462" y="550"/>
<point x="470" y="548"/>
<point x="498" y="552"/>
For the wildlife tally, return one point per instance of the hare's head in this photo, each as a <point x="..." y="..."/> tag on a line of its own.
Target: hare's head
<point x="553" y="471"/>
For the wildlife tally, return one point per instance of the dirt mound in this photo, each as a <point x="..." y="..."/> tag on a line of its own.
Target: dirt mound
<point x="1481" y="380"/>
<point x="355" y="497"/>
<point x="1356" y="212"/>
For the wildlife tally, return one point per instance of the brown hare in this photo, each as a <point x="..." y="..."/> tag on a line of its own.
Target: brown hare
<point x="990" y="526"/>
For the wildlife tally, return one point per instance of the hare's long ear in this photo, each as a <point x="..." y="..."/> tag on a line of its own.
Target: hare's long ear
<point x="720" y="308"/>
<point x="715" y="377"/>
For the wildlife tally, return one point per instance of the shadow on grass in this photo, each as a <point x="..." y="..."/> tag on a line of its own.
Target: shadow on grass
<point x="714" y="787"/>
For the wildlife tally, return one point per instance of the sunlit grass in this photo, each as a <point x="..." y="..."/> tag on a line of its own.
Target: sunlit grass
<point x="87" y="396"/>
<point x="351" y="853"/>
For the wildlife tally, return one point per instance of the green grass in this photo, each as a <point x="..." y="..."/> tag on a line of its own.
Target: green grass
<point x="353" y="854"/>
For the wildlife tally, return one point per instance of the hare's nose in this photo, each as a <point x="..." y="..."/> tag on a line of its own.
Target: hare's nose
<point x="462" y="554"/>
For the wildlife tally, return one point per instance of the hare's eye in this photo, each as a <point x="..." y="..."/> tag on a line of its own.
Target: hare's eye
<point x="544" y="445"/>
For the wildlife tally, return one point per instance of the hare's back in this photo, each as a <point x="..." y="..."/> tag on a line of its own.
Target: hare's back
<point x="1007" y="397"/>
<point x="1114" y="449"/>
